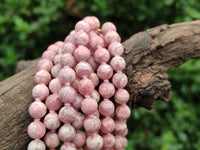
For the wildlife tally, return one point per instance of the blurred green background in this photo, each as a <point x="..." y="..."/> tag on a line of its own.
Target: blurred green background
<point x="27" y="27"/>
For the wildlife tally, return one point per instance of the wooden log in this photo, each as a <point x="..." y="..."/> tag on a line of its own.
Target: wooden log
<point x="149" y="55"/>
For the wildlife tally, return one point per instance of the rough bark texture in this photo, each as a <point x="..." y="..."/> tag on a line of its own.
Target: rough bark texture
<point x="149" y="55"/>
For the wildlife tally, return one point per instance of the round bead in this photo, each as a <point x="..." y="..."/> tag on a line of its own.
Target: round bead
<point x="96" y="20"/>
<point x="93" y="63"/>
<point x="78" y="121"/>
<point x="106" y="90"/>
<point x="68" y="60"/>
<point x="108" y="141"/>
<point x="74" y="84"/>
<point x="79" y="139"/>
<point x="121" y="96"/>
<point x="59" y="43"/>
<point x="67" y="114"/>
<point x="77" y="103"/>
<point x="108" y="26"/>
<point x="40" y="91"/>
<point x="106" y="108"/>
<point x="101" y="55"/>
<point x="67" y="94"/>
<point x="89" y="106"/>
<point x="112" y="36"/>
<point x="119" y="80"/>
<point x="57" y="59"/>
<point x="55" y="70"/>
<point x="118" y="63"/>
<point x="96" y="41"/>
<point x="116" y="48"/>
<point x="36" y="145"/>
<point x="45" y="64"/>
<point x="104" y="71"/>
<point x="68" y="146"/>
<point x="96" y="113"/>
<point x="42" y="76"/>
<point x="82" y="25"/>
<point x="85" y="86"/>
<point x="36" y="130"/>
<point x="67" y="75"/>
<point x="53" y="47"/>
<point x="51" y="140"/>
<point x="82" y="53"/>
<point x="49" y="54"/>
<point x="95" y="95"/>
<point x="120" y="127"/>
<point x="94" y="78"/>
<point x="92" y="124"/>
<point x="69" y="48"/>
<point x="94" y="142"/>
<point x="55" y="85"/>
<point x="37" y="110"/>
<point x="51" y="121"/>
<point x="92" y="22"/>
<point x="53" y="103"/>
<point x="81" y="38"/>
<point x="83" y="69"/>
<point x="120" y="142"/>
<point x="107" y="125"/>
<point x="66" y="133"/>
<point x="123" y="112"/>
<point x="70" y="39"/>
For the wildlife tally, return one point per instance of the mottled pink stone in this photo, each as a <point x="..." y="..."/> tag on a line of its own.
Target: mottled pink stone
<point x="78" y="120"/>
<point x="79" y="139"/>
<point x="55" y="85"/>
<point x="93" y="22"/>
<point x="55" y="70"/>
<point x="53" y="47"/>
<point x="104" y="71"/>
<point x="48" y="54"/>
<point x="68" y="60"/>
<point x="120" y="142"/>
<point x="123" y="112"/>
<point x="66" y="133"/>
<point x="82" y="25"/>
<point x="42" y="76"/>
<point x="112" y="36"/>
<point x="108" y="141"/>
<point x="74" y="84"/>
<point x="118" y="63"/>
<point x="83" y="69"/>
<point x="92" y="124"/>
<point x="106" y="90"/>
<point x="101" y="55"/>
<point x="94" y="142"/>
<point x="71" y="39"/>
<point x="81" y="38"/>
<point x="89" y="106"/>
<point x="77" y="103"/>
<point x="51" y="121"/>
<point x="37" y="109"/>
<point x="97" y="22"/>
<point x="93" y="63"/>
<point x="67" y="114"/>
<point x="94" y="78"/>
<point x="67" y="74"/>
<point x="36" y="130"/>
<point x="120" y="127"/>
<point x="85" y="86"/>
<point x="59" y="43"/>
<point x="106" y="107"/>
<point x="67" y="94"/>
<point x="40" y="91"/>
<point x="57" y="59"/>
<point x="69" y="48"/>
<point x="95" y="42"/>
<point x="45" y="64"/>
<point x="36" y="145"/>
<point x="108" y="26"/>
<point x="107" y="125"/>
<point x="68" y="146"/>
<point x="51" y="140"/>
<point x="81" y="53"/>
<point x="53" y="103"/>
<point x="121" y="96"/>
<point x="95" y="95"/>
<point x="119" y="80"/>
<point x="116" y="48"/>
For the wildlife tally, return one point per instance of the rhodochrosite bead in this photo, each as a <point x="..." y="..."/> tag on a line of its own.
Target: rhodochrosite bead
<point x="67" y="94"/>
<point x="83" y="69"/>
<point x="121" y="96"/>
<point x="108" y="26"/>
<point x="112" y="36"/>
<point x="123" y="112"/>
<point x="68" y="60"/>
<point x="89" y="106"/>
<point x="51" y="121"/>
<point x="37" y="110"/>
<point x="92" y="124"/>
<point x="78" y="120"/>
<point x="82" y="25"/>
<point x="108" y="141"/>
<point x="107" y="125"/>
<point x="101" y="55"/>
<point x="119" y="80"/>
<point x="45" y="64"/>
<point x="85" y="86"/>
<point x="53" y="103"/>
<point x="40" y="91"/>
<point x="106" y="108"/>
<point x="51" y="140"/>
<point x="36" y="130"/>
<point x="116" y="48"/>
<point x="120" y="127"/>
<point x="67" y="114"/>
<point x="67" y="74"/>
<point x="106" y="90"/>
<point x="69" y="47"/>
<point x="49" y="54"/>
<point x="42" y="76"/>
<point x="81" y="38"/>
<point x="55" y="85"/>
<point x="36" y="144"/>
<point x="55" y="70"/>
<point x="118" y="63"/>
<point x="66" y="133"/>
<point x="94" y="142"/>
<point x="82" y="53"/>
<point x="94" y="78"/>
<point x="79" y="139"/>
<point x="68" y="146"/>
<point x="104" y="71"/>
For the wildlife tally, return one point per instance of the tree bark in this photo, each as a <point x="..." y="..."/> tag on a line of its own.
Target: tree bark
<point x="149" y="55"/>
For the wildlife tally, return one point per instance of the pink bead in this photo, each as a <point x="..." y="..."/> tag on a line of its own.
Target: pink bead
<point x="112" y="36"/>
<point x="78" y="121"/>
<point x="120" y="127"/>
<point x="81" y="38"/>
<point x="59" y="43"/>
<point x="95" y="95"/>
<point x="93" y="63"/>
<point x="68" y="146"/>
<point x="77" y="103"/>
<point x="108" y="141"/>
<point x="69" y="48"/>
<point x="36" y="144"/>
<point x="120" y="142"/>
<point x="119" y="80"/>
<point x="54" y="48"/>
<point x="51" y="121"/>
<point x="48" y="54"/>
<point x="74" y="84"/>
<point x="67" y="94"/>
<point x="118" y="63"/>
<point x="116" y="48"/>
<point x="121" y="96"/>
<point x="108" y="26"/>
<point x="97" y="114"/>
<point x="67" y="114"/>
<point x="66" y="133"/>
<point x="106" y="90"/>
<point x="101" y="55"/>
<point x="42" y="76"/>
<point x="96" y="20"/>
<point x="106" y="107"/>
<point x="53" y="103"/>
<point x="57" y="59"/>
<point x="92" y="124"/>
<point x="94" y="142"/>
<point x="79" y="139"/>
<point x="107" y="125"/>
<point x="55" y="70"/>
<point x="36" y="130"/>
<point x="83" y="69"/>
<point x="89" y="106"/>
<point x="96" y="41"/>
<point x="68" y="60"/>
<point x="67" y="74"/>
<point x="81" y="53"/>
<point x="82" y="25"/>
<point x="51" y="140"/>
<point x="85" y="86"/>
<point x="40" y="91"/>
<point x="93" y="23"/>
<point x="104" y="71"/>
<point x="123" y="112"/>
<point x="37" y="110"/>
<point x="45" y="64"/>
<point x="55" y="85"/>
<point x="94" y="78"/>
<point x="70" y="39"/>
